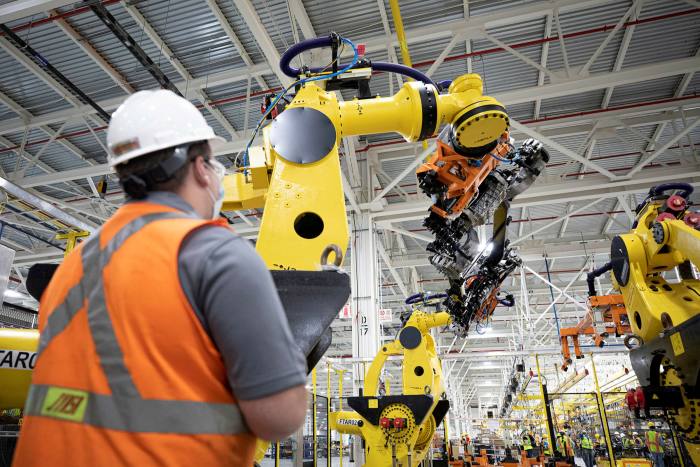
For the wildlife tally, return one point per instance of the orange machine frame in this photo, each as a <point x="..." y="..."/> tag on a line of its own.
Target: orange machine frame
<point x="460" y="177"/>
<point x="612" y="310"/>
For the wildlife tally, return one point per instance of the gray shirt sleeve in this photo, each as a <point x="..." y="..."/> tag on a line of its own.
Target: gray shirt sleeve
<point x="235" y="299"/>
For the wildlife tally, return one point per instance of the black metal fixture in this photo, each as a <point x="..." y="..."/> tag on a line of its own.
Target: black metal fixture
<point x="27" y="50"/>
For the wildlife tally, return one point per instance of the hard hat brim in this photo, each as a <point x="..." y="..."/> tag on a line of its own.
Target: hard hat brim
<point x="215" y="143"/>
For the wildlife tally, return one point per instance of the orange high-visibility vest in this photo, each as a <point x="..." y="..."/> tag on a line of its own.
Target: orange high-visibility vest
<point x="126" y="374"/>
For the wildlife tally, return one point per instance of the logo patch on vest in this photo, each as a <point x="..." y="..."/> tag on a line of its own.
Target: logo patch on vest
<point x="17" y="359"/>
<point x="68" y="404"/>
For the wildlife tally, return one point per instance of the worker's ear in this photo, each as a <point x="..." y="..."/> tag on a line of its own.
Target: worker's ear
<point x="201" y="173"/>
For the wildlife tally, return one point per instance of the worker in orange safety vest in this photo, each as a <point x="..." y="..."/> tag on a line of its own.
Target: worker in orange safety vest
<point x="163" y="339"/>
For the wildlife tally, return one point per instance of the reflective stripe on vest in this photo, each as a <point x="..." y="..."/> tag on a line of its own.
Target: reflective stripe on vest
<point x="123" y="409"/>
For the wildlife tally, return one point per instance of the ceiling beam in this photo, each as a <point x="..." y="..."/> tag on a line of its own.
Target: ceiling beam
<point x="19" y="9"/>
<point x="179" y="67"/>
<point x="574" y="85"/>
<point x="249" y="13"/>
<point x="90" y="51"/>
<point x="302" y="19"/>
<point x="231" y="34"/>
<point x="593" y="186"/>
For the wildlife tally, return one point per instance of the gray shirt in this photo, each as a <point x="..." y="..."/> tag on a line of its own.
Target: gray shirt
<point x="233" y="294"/>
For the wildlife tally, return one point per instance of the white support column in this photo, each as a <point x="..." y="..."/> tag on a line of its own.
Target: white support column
<point x="468" y="42"/>
<point x="364" y="279"/>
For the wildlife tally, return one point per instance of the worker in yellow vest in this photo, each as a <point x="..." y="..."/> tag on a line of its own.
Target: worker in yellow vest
<point x="163" y="338"/>
<point x="527" y="445"/>
<point x="655" y="445"/>
<point x="587" y="452"/>
<point x="627" y="445"/>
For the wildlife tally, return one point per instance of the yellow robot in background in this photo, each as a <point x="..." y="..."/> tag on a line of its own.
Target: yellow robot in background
<point x="664" y="316"/>
<point x="397" y="429"/>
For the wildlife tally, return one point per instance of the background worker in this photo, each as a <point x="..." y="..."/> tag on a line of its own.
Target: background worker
<point x="655" y="445"/>
<point x="638" y="443"/>
<point x="163" y="339"/>
<point x="627" y="445"/>
<point x="587" y="452"/>
<point x="527" y="445"/>
<point x="565" y="447"/>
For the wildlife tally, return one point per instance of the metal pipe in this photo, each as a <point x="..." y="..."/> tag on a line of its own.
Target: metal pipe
<point x="400" y="32"/>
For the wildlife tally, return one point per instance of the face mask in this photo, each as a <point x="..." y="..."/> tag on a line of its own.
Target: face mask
<point x="218" y="200"/>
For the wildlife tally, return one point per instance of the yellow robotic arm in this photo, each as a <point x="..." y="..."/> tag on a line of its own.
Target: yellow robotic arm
<point x="664" y="316"/>
<point x="398" y="428"/>
<point x="295" y="175"/>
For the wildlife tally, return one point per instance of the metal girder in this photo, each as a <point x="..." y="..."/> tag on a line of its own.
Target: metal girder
<point x="45" y="206"/>
<point x="543" y="61"/>
<point x="18" y="49"/>
<point x="635" y="5"/>
<point x="26" y="115"/>
<point x="664" y="147"/>
<point x="535" y="10"/>
<point x="680" y="90"/>
<point x="596" y="81"/>
<point x="249" y="13"/>
<point x="406" y="233"/>
<point x="25" y="8"/>
<point x="394" y="273"/>
<point x="89" y="50"/>
<point x="409" y="168"/>
<point x="302" y="18"/>
<point x="573" y="86"/>
<point x="591" y="187"/>
<point x="213" y="80"/>
<point x="622" y="52"/>
<point x="226" y="26"/>
<point x="180" y="68"/>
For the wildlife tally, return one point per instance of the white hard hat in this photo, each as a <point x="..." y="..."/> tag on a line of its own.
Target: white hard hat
<point x="148" y="121"/>
<point x="635" y="433"/>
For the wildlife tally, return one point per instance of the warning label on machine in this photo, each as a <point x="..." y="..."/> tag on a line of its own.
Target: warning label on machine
<point x="17" y="359"/>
